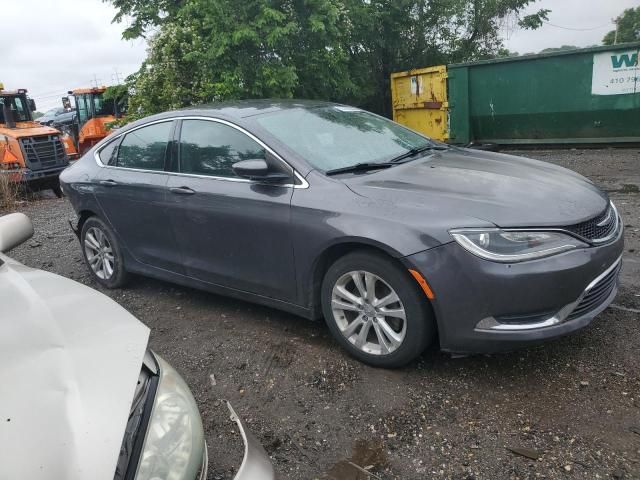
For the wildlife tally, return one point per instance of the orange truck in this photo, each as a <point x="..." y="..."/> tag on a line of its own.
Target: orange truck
<point x="93" y="114"/>
<point x="31" y="154"/>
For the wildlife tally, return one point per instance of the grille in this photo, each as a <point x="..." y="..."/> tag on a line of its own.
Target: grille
<point x="43" y="152"/>
<point x="598" y="293"/>
<point x="597" y="228"/>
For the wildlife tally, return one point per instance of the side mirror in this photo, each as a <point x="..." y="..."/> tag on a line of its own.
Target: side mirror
<point x="32" y="105"/>
<point x="259" y="169"/>
<point x="15" y="229"/>
<point x="66" y="104"/>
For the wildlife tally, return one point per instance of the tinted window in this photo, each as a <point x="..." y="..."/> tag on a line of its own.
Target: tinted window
<point x="210" y="148"/>
<point x="336" y="136"/>
<point x="145" y="147"/>
<point x="107" y="154"/>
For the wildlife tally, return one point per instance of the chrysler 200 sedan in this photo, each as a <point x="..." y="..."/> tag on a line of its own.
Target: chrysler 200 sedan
<point x="328" y="210"/>
<point x="83" y="397"/>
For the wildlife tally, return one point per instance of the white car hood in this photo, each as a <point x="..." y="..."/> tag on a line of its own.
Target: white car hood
<point x="69" y="363"/>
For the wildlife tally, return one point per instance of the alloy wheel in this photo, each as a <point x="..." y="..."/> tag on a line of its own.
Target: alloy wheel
<point x="368" y="312"/>
<point x="99" y="253"/>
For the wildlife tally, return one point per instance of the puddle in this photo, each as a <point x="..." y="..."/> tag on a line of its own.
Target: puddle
<point x="368" y="455"/>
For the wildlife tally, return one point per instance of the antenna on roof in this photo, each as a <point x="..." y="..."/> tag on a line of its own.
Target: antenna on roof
<point x="95" y="81"/>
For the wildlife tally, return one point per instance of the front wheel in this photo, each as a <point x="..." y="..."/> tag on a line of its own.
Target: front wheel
<point x="102" y="253"/>
<point x="375" y="310"/>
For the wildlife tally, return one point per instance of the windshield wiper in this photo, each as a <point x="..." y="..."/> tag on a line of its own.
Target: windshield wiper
<point x="415" y="151"/>
<point x="359" y="167"/>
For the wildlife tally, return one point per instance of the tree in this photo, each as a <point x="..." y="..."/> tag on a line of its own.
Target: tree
<point x="559" y="49"/>
<point x="628" y="25"/>
<point x="341" y="50"/>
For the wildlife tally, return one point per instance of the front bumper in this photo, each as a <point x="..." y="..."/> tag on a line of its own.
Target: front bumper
<point x="482" y="306"/>
<point x="34" y="177"/>
<point x="255" y="464"/>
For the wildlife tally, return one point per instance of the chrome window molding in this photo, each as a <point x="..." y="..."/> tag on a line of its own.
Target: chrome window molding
<point x="490" y="324"/>
<point x="302" y="185"/>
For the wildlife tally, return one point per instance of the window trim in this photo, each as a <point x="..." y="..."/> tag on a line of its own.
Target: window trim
<point x="178" y="160"/>
<point x="120" y="138"/>
<point x="302" y="185"/>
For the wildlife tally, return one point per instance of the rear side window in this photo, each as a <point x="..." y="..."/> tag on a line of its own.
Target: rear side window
<point x="145" y="147"/>
<point x="108" y="153"/>
<point x="211" y="148"/>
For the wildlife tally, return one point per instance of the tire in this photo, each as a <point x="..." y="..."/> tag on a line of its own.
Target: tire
<point x="57" y="191"/>
<point x="409" y="338"/>
<point x="100" y="248"/>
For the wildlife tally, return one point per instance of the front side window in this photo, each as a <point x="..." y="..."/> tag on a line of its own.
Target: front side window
<point x="335" y="136"/>
<point x="211" y="148"/>
<point x="145" y="148"/>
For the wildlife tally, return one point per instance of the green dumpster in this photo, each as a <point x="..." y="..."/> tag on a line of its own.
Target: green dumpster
<point x="581" y="96"/>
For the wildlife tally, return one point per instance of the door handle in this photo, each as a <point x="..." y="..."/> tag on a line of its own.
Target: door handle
<point x="182" y="190"/>
<point x="108" y="183"/>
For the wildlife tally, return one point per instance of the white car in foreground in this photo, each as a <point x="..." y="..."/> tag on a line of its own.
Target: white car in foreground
<point x="82" y="396"/>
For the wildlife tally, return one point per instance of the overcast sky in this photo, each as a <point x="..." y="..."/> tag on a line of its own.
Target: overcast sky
<point x="50" y="47"/>
<point x="571" y="22"/>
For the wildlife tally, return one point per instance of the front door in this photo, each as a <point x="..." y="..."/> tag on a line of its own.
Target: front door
<point x="231" y="231"/>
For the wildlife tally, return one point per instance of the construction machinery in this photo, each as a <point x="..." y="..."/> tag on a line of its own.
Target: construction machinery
<point x="94" y="113"/>
<point x="31" y="154"/>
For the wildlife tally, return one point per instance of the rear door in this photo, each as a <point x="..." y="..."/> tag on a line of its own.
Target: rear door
<point x="231" y="231"/>
<point x="131" y="190"/>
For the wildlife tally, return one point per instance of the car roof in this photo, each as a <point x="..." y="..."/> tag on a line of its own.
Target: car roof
<point x="249" y="108"/>
<point x="237" y="110"/>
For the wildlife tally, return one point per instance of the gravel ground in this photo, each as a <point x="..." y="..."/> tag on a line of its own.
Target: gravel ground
<point x="572" y="405"/>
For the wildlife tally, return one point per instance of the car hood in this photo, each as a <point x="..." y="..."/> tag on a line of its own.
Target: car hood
<point x="505" y="190"/>
<point x="69" y="363"/>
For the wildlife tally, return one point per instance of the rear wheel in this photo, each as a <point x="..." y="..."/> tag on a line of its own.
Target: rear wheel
<point x="375" y="310"/>
<point x="102" y="253"/>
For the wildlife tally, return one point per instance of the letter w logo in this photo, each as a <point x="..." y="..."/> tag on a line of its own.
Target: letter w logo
<point x="626" y="60"/>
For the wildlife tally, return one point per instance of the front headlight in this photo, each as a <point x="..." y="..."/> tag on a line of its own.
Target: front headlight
<point x="174" y="444"/>
<point x="509" y="246"/>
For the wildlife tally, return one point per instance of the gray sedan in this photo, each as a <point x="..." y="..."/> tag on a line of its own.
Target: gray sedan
<point x="327" y="210"/>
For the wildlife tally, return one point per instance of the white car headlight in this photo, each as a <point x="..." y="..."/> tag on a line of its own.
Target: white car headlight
<point x="174" y="443"/>
<point x="509" y="246"/>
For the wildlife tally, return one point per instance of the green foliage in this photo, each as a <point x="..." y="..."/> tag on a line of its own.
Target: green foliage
<point x="342" y="50"/>
<point x="144" y="14"/>
<point x="628" y="27"/>
<point x="505" y="52"/>
<point x="559" y="49"/>
<point x="534" y="20"/>
<point x="36" y="114"/>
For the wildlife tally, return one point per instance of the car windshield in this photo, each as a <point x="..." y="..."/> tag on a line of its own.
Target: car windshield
<point x="337" y="137"/>
<point x="18" y="105"/>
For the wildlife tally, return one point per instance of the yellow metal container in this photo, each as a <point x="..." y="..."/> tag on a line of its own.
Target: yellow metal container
<point x="419" y="100"/>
